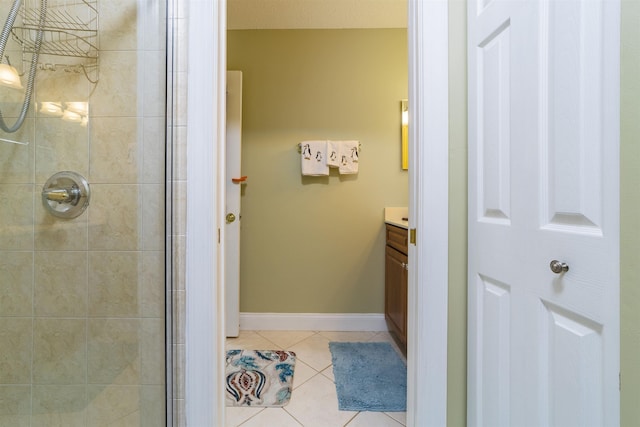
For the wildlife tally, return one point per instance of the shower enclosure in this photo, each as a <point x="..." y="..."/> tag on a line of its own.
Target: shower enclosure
<point x="83" y="243"/>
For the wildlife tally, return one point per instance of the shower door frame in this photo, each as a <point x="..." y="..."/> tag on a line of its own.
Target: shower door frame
<point x="428" y="202"/>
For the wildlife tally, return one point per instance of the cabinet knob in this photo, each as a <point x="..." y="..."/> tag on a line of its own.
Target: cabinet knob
<point x="405" y="265"/>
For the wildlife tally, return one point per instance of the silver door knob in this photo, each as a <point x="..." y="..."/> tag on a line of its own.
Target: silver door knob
<point x="558" y="267"/>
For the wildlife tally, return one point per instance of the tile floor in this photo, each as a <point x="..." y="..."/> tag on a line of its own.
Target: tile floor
<point x="314" y="402"/>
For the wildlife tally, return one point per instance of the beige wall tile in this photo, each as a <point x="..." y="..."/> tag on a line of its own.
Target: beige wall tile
<point x="118" y="25"/>
<point x="153" y="234"/>
<point x="152" y="406"/>
<point x="152" y="345"/>
<point x="179" y="375"/>
<point x="155" y="76"/>
<point x="16" y="160"/>
<point x="180" y="153"/>
<point x="60" y="351"/>
<point x="152" y="281"/>
<point x="60" y="146"/>
<point x="180" y="208"/>
<point x="115" y="156"/>
<point x="179" y="413"/>
<point x="179" y="262"/>
<point x="61" y="284"/>
<point x="114" y="217"/>
<point x="116" y="95"/>
<point x="179" y="316"/>
<point x="180" y="101"/>
<point x="61" y="86"/>
<point x="113" y="284"/>
<point x="113" y="405"/>
<point x="16" y="283"/>
<point x="16" y="217"/>
<point x="52" y="233"/>
<point x="15" y="342"/>
<point x="114" y="354"/>
<point x="59" y="405"/>
<point x="154" y="150"/>
<point x="15" y="406"/>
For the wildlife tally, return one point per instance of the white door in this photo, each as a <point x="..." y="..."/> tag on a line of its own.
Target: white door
<point x="543" y="347"/>
<point x="233" y="180"/>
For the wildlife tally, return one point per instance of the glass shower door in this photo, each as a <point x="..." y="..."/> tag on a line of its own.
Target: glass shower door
<point x="82" y="297"/>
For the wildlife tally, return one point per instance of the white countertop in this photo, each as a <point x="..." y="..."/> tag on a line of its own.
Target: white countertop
<point x="395" y="215"/>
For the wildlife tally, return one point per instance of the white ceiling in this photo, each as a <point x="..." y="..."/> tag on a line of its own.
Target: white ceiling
<point x="282" y="14"/>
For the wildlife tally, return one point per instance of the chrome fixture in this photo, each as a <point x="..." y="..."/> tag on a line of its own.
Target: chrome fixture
<point x="66" y="194"/>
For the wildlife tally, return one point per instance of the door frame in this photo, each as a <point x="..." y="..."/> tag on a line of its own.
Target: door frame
<point x="428" y="213"/>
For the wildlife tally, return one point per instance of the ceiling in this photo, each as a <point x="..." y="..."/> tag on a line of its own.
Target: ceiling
<point x="286" y="14"/>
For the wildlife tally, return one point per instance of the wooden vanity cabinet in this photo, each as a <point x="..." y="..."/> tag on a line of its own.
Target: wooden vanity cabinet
<point x="396" y="278"/>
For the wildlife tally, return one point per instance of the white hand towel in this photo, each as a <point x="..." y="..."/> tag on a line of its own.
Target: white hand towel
<point x="314" y="158"/>
<point x="333" y="153"/>
<point x="348" y="157"/>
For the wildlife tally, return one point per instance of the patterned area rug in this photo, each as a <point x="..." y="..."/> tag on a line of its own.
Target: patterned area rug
<point x="259" y="377"/>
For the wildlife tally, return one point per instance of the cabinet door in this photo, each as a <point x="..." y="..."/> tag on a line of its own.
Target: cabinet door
<point x="396" y="292"/>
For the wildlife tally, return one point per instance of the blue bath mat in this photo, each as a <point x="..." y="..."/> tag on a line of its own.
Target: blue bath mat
<point x="370" y="376"/>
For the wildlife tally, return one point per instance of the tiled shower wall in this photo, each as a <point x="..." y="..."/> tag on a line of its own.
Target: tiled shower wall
<point x="82" y="328"/>
<point x="178" y="111"/>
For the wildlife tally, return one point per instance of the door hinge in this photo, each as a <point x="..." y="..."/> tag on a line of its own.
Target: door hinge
<point x="218" y="236"/>
<point x="412" y="236"/>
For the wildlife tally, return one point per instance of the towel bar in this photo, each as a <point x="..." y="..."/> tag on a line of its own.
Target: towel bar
<point x="299" y="147"/>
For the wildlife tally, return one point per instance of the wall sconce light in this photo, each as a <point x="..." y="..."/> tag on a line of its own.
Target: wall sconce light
<point x="404" y="109"/>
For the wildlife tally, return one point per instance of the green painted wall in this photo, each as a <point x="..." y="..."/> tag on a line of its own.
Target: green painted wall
<point x="457" y="333"/>
<point x="630" y="214"/>
<point x="316" y="244"/>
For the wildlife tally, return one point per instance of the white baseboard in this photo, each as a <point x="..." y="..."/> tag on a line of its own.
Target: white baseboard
<point x="313" y="321"/>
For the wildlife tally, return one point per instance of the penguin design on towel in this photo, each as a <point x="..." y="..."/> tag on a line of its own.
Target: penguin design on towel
<point x="306" y="152"/>
<point x="333" y="156"/>
<point x="354" y="155"/>
<point x="344" y="160"/>
<point x="319" y="156"/>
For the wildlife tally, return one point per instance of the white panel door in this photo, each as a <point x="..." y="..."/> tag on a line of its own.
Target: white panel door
<point x="543" y="347"/>
<point x="233" y="185"/>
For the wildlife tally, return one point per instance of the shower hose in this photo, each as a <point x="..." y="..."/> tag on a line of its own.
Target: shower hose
<point x="4" y="37"/>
